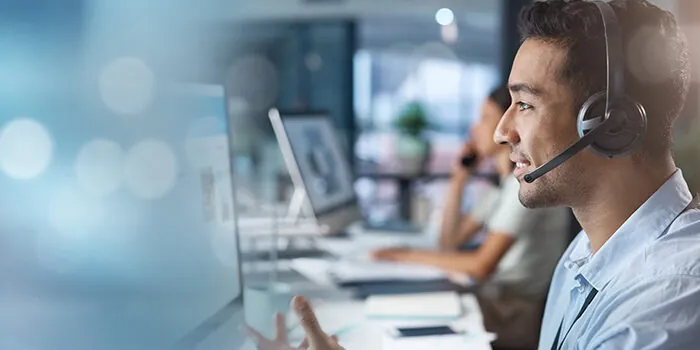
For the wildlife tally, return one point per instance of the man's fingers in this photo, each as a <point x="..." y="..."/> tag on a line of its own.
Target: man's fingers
<point x="334" y="338"/>
<point x="313" y="330"/>
<point x="280" y="328"/>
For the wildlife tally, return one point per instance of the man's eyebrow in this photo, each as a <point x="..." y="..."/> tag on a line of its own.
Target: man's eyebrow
<point x="523" y="87"/>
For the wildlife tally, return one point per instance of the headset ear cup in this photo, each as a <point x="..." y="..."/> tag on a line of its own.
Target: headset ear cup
<point x="591" y="113"/>
<point x="621" y="140"/>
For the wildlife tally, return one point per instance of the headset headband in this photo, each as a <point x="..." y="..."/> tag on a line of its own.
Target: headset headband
<point x="614" y="55"/>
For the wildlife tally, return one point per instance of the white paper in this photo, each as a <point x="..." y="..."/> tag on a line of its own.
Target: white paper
<point x="327" y="272"/>
<point x="366" y="271"/>
<point x="422" y="305"/>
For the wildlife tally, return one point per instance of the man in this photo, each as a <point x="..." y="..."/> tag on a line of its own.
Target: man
<point x="636" y="261"/>
<point x="631" y="279"/>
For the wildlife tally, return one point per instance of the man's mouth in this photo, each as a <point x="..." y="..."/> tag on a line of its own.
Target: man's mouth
<point x="521" y="164"/>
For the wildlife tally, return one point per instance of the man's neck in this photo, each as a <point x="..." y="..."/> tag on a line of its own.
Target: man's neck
<point x="612" y="202"/>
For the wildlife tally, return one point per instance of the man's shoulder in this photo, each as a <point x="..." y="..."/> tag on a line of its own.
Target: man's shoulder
<point x="660" y="309"/>
<point x="669" y="264"/>
<point x="675" y="252"/>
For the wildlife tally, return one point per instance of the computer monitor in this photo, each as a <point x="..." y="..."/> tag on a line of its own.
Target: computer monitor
<point x="318" y="168"/>
<point x="114" y="233"/>
<point x="209" y="150"/>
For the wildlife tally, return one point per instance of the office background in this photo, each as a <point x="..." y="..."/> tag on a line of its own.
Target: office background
<point x="366" y="65"/>
<point x="87" y="69"/>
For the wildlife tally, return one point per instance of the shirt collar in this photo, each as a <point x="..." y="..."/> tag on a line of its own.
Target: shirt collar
<point x="648" y="222"/>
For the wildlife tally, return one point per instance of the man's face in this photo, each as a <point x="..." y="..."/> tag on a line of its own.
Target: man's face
<point x="540" y="124"/>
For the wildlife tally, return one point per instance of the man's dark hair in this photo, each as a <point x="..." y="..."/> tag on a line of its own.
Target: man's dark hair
<point x="501" y="96"/>
<point x="657" y="66"/>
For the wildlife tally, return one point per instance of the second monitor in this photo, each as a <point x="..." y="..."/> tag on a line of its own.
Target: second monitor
<point x="321" y="172"/>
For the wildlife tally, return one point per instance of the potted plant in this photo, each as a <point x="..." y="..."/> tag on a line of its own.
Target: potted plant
<point x="413" y="150"/>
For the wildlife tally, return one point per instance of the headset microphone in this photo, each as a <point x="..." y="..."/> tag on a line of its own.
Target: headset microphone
<point x="609" y="122"/>
<point x="578" y="146"/>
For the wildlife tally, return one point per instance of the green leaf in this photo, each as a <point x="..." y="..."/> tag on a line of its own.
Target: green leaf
<point x="412" y="119"/>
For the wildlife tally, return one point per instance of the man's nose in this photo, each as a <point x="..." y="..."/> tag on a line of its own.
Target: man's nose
<point x="505" y="131"/>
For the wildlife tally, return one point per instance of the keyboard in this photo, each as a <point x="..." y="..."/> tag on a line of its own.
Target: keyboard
<point x="287" y="254"/>
<point x="392" y="226"/>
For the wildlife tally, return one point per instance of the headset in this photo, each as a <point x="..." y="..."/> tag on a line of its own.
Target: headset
<point x="609" y="122"/>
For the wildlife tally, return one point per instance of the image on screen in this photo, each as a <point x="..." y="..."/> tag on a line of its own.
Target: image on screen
<point x="323" y="166"/>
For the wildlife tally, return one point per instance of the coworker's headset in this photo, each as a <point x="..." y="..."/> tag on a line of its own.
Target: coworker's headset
<point x="609" y="122"/>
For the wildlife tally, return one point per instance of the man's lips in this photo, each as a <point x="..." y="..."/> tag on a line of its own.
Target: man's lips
<point x="522" y="164"/>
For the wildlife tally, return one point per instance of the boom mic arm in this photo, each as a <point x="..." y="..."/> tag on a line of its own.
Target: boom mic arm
<point x="576" y="147"/>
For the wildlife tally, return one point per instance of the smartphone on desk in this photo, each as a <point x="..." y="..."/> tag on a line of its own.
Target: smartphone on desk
<point x="407" y="332"/>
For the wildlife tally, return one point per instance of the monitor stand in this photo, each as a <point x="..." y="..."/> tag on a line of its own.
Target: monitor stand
<point x="298" y="205"/>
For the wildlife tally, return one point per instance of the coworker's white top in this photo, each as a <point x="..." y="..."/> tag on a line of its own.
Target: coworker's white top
<point x="540" y="236"/>
<point x="647" y="276"/>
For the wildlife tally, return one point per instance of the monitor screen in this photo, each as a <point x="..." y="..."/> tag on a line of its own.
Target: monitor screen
<point x="320" y="160"/>
<point x="117" y="227"/>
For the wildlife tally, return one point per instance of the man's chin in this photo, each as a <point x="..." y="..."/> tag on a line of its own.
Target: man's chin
<point x="525" y="201"/>
<point x="529" y="197"/>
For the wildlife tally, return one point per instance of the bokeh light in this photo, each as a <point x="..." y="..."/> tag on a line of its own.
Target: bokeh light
<point x="127" y="85"/>
<point x="98" y="167"/>
<point x="444" y="16"/>
<point x="150" y="169"/>
<point x="26" y="149"/>
<point x="313" y="61"/>
<point x="646" y="61"/>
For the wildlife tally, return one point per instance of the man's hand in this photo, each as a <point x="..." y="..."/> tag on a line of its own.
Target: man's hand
<point x="315" y="338"/>
<point x="391" y="254"/>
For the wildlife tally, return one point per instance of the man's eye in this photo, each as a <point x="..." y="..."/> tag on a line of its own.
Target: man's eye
<point x="523" y="106"/>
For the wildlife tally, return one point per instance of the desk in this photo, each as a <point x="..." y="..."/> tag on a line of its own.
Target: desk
<point x="340" y="311"/>
<point x="343" y="316"/>
<point x="355" y="331"/>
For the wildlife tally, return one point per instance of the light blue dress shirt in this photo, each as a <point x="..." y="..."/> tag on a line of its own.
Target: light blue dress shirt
<point x="647" y="275"/>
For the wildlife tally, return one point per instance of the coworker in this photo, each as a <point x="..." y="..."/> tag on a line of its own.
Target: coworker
<point x="513" y="266"/>
<point x="468" y="197"/>
<point x="631" y="278"/>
